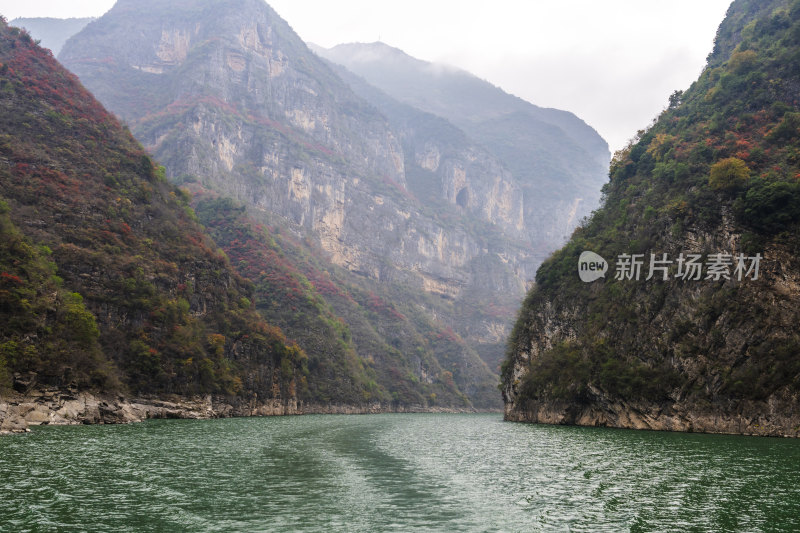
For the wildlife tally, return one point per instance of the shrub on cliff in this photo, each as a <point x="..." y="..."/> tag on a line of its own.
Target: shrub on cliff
<point x="728" y="174"/>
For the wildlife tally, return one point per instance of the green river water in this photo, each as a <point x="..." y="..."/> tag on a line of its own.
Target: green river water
<point x="394" y="472"/>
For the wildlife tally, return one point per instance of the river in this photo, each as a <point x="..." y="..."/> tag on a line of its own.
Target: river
<point x="394" y="472"/>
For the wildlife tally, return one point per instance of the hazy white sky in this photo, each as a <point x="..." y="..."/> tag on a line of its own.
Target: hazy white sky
<point x="614" y="63"/>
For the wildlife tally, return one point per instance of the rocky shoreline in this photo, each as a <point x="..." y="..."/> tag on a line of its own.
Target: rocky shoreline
<point x="773" y="418"/>
<point x="18" y="412"/>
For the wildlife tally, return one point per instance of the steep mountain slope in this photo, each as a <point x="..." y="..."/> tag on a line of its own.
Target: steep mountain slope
<point x="302" y="129"/>
<point x="717" y="176"/>
<point x="107" y="280"/>
<point x="407" y="359"/>
<point x="434" y="149"/>
<point x="33" y="303"/>
<point x="555" y="158"/>
<point x="52" y="32"/>
<point x="231" y="100"/>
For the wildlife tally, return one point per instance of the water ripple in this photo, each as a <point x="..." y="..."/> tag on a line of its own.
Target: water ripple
<point x="392" y="473"/>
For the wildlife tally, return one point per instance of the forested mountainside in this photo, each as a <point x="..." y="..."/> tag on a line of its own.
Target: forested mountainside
<point x="555" y="159"/>
<point x="231" y="100"/>
<point x="107" y="282"/>
<point x="363" y="343"/>
<point x="705" y="337"/>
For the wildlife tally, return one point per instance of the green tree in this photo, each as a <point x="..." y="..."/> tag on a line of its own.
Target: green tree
<point x="770" y="207"/>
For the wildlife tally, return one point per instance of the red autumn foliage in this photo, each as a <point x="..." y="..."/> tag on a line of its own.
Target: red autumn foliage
<point x="5" y="276"/>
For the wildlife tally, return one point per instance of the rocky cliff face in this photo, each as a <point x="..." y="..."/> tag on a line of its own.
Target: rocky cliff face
<point x="714" y="176"/>
<point x="229" y="99"/>
<point x="444" y="167"/>
<point x="679" y="356"/>
<point x="235" y="99"/>
<point x="554" y="163"/>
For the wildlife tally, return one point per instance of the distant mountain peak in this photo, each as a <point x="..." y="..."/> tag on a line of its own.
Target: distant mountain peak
<point x="52" y="32"/>
<point x="378" y="52"/>
<point x="460" y="97"/>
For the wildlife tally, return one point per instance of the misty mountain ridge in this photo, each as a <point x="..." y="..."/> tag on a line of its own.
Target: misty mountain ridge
<point x="52" y="32"/>
<point x="557" y="160"/>
<point x="447" y="90"/>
